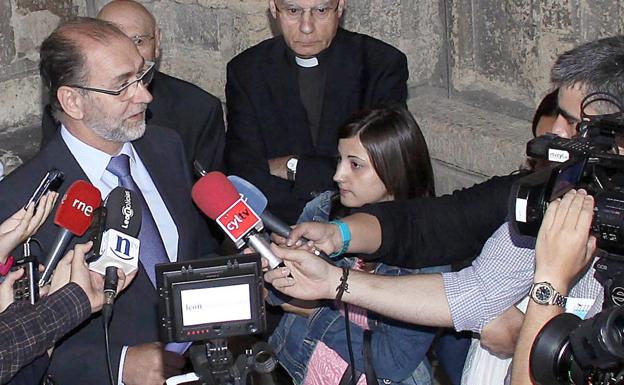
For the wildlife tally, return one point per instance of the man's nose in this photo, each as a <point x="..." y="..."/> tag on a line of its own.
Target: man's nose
<point x="142" y="95"/>
<point x="306" y="24"/>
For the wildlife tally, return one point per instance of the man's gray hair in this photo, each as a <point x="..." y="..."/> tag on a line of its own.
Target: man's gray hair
<point x="598" y="66"/>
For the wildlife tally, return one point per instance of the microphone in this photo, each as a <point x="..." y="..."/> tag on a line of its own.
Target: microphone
<point x="258" y="202"/>
<point x="73" y="216"/>
<point x="119" y="248"/>
<point x="217" y="198"/>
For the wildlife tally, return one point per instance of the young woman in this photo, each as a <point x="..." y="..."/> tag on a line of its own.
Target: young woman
<point x="383" y="156"/>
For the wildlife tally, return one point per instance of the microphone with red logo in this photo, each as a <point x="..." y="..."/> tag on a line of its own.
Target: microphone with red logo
<point x="216" y="197"/>
<point x="73" y="216"/>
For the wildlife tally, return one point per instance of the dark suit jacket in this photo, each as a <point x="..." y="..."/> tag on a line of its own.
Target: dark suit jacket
<point x="266" y="118"/>
<point x="80" y="358"/>
<point x="194" y="113"/>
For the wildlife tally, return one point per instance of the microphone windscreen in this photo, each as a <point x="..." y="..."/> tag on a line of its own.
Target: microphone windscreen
<point x="254" y="197"/>
<point x="214" y="194"/>
<point x="75" y="212"/>
<point x="123" y="211"/>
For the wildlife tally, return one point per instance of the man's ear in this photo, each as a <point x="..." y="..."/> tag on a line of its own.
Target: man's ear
<point x="342" y="5"/>
<point x="71" y="101"/>
<point x="273" y="8"/>
<point x="157" y="37"/>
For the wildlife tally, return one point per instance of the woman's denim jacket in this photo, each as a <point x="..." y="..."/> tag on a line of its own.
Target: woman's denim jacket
<point x="399" y="349"/>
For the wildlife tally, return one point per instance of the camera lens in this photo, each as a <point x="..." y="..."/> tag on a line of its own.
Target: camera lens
<point x="551" y="359"/>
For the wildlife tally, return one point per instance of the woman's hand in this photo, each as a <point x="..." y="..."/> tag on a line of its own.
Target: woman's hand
<point x="24" y="223"/>
<point x="321" y="236"/>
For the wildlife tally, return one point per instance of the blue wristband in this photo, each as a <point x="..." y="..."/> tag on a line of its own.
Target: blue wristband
<point x="345" y="234"/>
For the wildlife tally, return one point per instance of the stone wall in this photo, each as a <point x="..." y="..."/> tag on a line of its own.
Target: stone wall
<point x="467" y="58"/>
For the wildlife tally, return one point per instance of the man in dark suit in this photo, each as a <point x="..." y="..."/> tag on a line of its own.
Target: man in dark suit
<point x="287" y="97"/>
<point x="194" y="113"/>
<point x="97" y="85"/>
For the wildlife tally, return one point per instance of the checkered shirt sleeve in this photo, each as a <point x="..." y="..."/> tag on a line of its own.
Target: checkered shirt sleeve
<point x="27" y="331"/>
<point x="499" y="278"/>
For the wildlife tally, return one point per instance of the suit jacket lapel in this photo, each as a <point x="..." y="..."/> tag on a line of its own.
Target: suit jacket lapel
<point x="166" y="183"/>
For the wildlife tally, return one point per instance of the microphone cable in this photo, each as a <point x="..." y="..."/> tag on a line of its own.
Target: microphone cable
<point x="110" y="289"/>
<point x="349" y="345"/>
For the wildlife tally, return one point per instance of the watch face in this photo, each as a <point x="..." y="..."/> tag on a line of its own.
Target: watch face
<point x="292" y="164"/>
<point x="543" y="293"/>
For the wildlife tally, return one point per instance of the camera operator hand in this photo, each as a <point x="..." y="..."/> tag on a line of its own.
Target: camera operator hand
<point x="24" y="223"/>
<point x="564" y="248"/>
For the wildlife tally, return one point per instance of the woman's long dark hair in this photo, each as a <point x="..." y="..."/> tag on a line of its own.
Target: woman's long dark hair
<point x="397" y="150"/>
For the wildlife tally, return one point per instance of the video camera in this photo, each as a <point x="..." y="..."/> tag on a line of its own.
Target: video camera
<point x="590" y="161"/>
<point x="569" y="350"/>
<point x="209" y="300"/>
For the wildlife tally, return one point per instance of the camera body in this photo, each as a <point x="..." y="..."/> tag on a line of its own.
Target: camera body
<point x="213" y="297"/>
<point x="585" y="163"/>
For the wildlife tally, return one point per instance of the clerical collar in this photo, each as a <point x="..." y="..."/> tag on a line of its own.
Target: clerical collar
<point x="307" y="63"/>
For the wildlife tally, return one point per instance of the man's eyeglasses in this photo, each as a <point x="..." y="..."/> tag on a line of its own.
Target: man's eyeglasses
<point x="127" y="90"/>
<point x="139" y="40"/>
<point x="294" y="13"/>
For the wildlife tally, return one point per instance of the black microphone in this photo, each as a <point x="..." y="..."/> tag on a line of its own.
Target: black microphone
<point x="119" y="247"/>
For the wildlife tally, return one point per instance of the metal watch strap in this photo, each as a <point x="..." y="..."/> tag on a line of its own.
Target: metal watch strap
<point x="559" y="300"/>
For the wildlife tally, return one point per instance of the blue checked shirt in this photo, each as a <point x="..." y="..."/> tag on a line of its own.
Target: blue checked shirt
<point x="500" y="277"/>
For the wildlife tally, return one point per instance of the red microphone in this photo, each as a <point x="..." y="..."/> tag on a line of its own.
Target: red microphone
<point x="216" y="197"/>
<point x="73" y="216"/>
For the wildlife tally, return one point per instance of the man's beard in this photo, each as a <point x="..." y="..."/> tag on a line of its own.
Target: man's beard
<point x="116" y="130"/>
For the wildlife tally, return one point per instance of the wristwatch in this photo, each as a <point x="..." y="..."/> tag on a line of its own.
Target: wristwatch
<point x="291" y="167"/>
<point x="544" y="294"/>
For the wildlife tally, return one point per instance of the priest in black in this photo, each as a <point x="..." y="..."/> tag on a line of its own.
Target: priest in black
<point x="287" y="97"/>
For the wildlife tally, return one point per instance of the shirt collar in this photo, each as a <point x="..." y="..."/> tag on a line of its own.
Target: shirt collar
<point x="92" y="161"/>
<point x="307" y="63"/>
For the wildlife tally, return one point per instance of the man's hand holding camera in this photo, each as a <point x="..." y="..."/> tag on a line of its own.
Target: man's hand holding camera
<point x="564" y="249"/>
